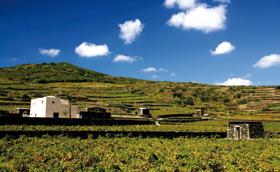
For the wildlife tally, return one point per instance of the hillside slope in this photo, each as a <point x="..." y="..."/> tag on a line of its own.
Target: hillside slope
<point x="123" y="95"/>
<point x="55" y="72"/>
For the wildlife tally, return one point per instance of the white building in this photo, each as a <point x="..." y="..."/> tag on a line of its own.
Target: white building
<point x="144" y="112"/>
<point x="53" y="107"/>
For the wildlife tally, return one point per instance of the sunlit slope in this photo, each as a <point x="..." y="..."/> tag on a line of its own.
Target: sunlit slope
<point x="123" y="95"/>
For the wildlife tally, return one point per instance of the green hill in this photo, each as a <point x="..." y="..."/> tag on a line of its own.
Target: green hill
<point x="122" y="95"/>
<point x="55" y="72"/>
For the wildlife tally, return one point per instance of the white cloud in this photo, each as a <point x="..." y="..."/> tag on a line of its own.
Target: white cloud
<point x="201" y="17"/>
<point x="268" y="61"/>
<point x="50" y="52"/>
<point x="89" y="50"/>
<point x="129" y="30"/>
<point x="125" y="58"/>
<point x="223" y="1"/>
<point x="236" y="82"/>
<point x="182" y="4"/>
<point x="223" y="48"/>
<point x="154" y="70"/>
<point x="150" y="70"/>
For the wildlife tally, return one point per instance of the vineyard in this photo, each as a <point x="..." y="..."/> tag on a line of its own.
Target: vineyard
<point x="121" y="97"/>
<point x="143" y="154"/>
<point x="198" y="126"/>
<point x="62" y="153"/>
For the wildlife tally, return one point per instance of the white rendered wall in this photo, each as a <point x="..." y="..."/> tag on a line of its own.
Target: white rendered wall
<point x="38" y="107"/>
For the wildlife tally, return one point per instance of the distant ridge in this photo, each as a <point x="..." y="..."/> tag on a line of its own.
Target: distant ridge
<point x="56" y="72"/>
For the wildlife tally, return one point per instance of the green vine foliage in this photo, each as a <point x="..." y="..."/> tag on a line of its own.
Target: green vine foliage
<point x="140" y="154"/>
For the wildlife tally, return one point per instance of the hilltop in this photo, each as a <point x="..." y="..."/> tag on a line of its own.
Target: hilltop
<point x="122" y="95"/>
<point x="55" y="72"/>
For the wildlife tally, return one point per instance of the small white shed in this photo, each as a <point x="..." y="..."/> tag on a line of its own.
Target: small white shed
<point x="144" y="112"/>
<point x="53" y="107"/>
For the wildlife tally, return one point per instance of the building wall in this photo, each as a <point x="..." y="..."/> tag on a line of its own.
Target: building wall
<point x="248" y="131"/>
<point x="47" y="106"/>
<point x="244" y="131"/>
<point x="38" y="107"/>
<point x="56" y="105"/>
<point x="75" y="112"/>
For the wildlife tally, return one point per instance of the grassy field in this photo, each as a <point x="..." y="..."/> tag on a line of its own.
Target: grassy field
<point x="130" y="154"/>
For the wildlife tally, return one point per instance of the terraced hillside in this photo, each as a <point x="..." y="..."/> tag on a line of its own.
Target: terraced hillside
<point x="123" y="95"/>
<point x="54" y="72"/>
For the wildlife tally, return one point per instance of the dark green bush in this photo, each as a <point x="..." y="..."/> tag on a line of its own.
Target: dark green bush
<point x="226" y="100"/>
<point x="188" y="101"/>
<point x="242" y="101"/>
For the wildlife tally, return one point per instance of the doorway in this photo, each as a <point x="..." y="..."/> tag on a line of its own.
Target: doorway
<point x="237" y="133"/>
<point x="55" y="115"/>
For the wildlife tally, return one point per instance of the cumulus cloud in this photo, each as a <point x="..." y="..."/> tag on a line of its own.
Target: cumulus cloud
<point x="50" y="52"/>
<point x="154" y="70"/>
<point x="237" y="82"/>
<point x="125" y="58"/>
<point x="223" y="48"/>
<point x="129" y="30"/>
<point x="158" y="71"/>
<point x="89" y="50"/>
<point x="201" y="17"/>
<point x="182" y="4"/>
<point x="150" y="70"/>
<point x="268" y="61"/>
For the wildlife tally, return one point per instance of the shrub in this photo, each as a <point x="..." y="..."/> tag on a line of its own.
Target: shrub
<point x="161" y="90"/>
<point x="238" y="95"/>
<point x="265" y="108"/>
<point x="226" y="100"/>
<point x="189" y="101"/>
<point x="242" y="102"/>
<point x="177" y="95"/>
<point x="137" y="91"/>
<point x="25" y="98"/>
<point x="204" y="97"/>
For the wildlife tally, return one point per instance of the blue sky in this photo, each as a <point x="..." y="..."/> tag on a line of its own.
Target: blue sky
<point x="209" y="41"/>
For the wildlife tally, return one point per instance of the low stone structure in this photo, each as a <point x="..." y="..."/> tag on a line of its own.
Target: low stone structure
<point x="144" y="112"/>
<point x="245" y="130"/>
<point x="200" y="112"/>
<point x="95" y="112"/>
<point x="96" y="109"/>
<point x="22" y="111"/>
